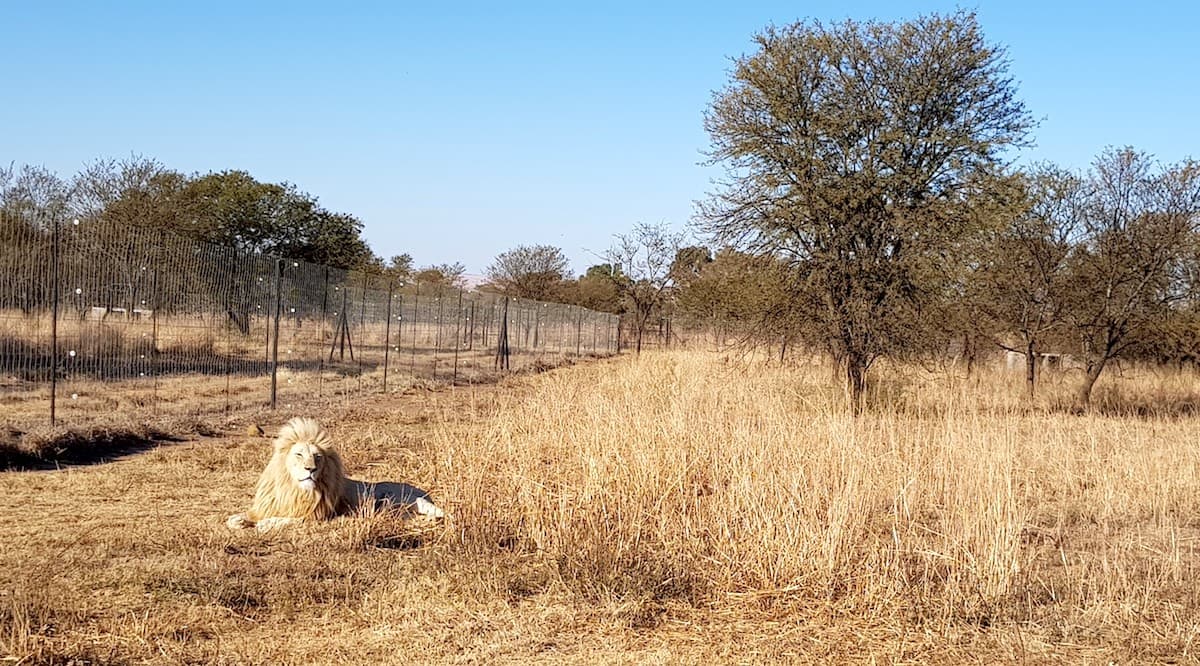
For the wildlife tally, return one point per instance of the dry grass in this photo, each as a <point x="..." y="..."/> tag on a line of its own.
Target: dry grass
<point x="681" y="507"/>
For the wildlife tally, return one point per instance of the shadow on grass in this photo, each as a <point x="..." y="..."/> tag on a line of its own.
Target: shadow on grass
<point x="37" y="451"/>
<point x="902" y="396"/>
<point x="1150" y="406"/>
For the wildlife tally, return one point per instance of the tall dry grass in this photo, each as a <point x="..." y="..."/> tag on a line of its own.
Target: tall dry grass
<point x="681" y="507"/>
<point x="677" y="476"/>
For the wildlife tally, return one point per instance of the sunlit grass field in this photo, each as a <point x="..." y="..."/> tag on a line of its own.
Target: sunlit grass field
<point x="684" y="506"/>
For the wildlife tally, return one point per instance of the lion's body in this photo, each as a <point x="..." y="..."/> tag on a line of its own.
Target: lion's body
<point x="305" y="480"/>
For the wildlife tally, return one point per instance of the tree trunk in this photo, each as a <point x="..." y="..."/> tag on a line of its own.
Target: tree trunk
<point x="1031" y="359"/>
<point x="1084" y="396"/>
<point x="856" y="382"/>
<point x="240" y="319"/>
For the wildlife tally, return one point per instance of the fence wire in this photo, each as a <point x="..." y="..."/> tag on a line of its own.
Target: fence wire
<point x="101" y="322"/>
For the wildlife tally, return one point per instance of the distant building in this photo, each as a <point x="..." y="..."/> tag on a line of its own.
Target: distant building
<point x="1014" y="360"/>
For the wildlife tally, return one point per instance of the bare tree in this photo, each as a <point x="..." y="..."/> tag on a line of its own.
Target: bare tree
<point x="852" y="152"/>
<point x="529" y="271"/>
<point x="1139" y="237"/>
<point x="32" y="201"/>
<point x="645" y="257"/>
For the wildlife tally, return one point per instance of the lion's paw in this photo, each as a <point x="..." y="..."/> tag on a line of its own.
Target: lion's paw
<point x="268" y="524"/>
<point x="238" y="521"/>
<point x="428" y="509"/>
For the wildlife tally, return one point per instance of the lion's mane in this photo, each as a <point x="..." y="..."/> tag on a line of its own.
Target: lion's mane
<point x="277" y="494"/>
<point x="280" y="500"/>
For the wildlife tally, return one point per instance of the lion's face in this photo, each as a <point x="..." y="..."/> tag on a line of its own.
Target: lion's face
<point x="306" y="463"/>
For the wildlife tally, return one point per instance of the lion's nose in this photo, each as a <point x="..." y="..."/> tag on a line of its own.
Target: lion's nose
<point x="310" y="469"/>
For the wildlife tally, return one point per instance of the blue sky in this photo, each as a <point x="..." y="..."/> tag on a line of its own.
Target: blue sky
<point x="458" y="130"/>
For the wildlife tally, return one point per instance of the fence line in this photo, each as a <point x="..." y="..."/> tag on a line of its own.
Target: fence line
<point x="100" y="321"/>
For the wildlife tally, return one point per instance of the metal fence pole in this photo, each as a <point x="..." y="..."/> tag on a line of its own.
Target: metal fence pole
<point x="457" y="338"/>
<point x="579" y="332"/>
<point x="362" y="323"/>
<point x="471" y="334"/>
<point x="321" y="334"/>
<point x="228" y="320"/>
<point x="437" y="338"/>
<point x="387" y="334"/>
<point x="54" y="327"/>
<point x="412" y="364"/>
<point x="156" y="300"/>
<point x="275" y="336"/>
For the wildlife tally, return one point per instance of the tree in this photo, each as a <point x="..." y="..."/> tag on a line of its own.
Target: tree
<point x="645" y="256"/>
<point x="689" y="263"/>
<point x="599" y="288"/>
<point x="744" y="295"/>
<point x="530" y="271"/>
<point x="1136" y="257"/>
<point x="442" y="276"/>
<point x="1021" y="281"/>
<point x="233" y="208"/>
<point x="121" y="200"/>
<point x="852" y="152"/>
<point x="32" y="201"/>
<point x="136" y="192"/>
<point x="400" y="267"/>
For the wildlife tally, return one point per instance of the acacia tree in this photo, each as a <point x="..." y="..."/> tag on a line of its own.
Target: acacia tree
<point x="741" y="294"/>
<point x="851" y="152"/>
<point x="1133" y="263"/>
<point x="1021" y="282"/>
<point x="645" y="257"/>
<point x="529" y="271"/>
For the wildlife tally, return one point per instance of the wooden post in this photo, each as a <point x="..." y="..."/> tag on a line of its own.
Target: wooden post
<point x="502" y="351"/>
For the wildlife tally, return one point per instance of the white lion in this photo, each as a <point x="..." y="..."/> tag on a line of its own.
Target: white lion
<point x="304" y="480"/>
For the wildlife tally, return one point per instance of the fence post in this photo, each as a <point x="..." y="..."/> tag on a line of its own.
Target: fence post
<point x="157" y="305"/>
<point x="275" y="328"/>
<point x="362" y="323"/>
<point x="537" y="323"/>
<point x="502" y="361"/>
<point x="228" y="320"/>
<point x="457" y="338"/>
<point x="54" y="287"/>
<point x="579" y="332"/>
<point x="321" y="335"/>
<point x="387" y="334"/>
<point x="437" y="336"/>
<point x="471" y="335"/>
<point x="412" y="364"/>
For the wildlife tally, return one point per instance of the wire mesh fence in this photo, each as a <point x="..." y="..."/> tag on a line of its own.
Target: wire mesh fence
<point x="100" y="321"/>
